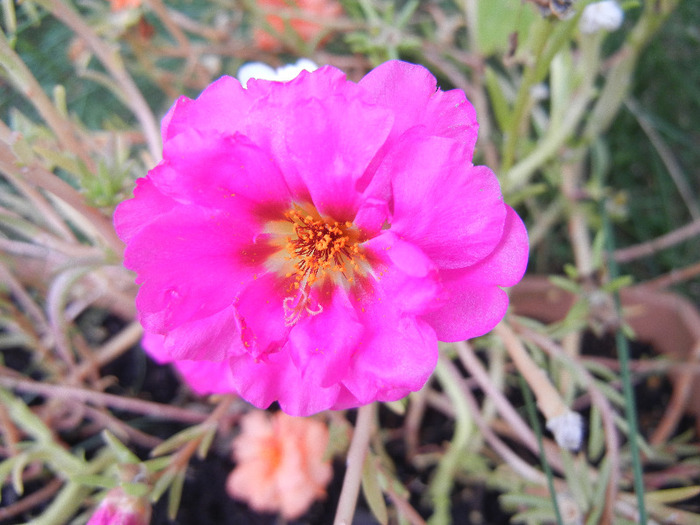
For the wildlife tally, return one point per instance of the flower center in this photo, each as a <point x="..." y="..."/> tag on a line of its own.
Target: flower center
<point x="313" y="250"/>
<point x="320" y="248"/>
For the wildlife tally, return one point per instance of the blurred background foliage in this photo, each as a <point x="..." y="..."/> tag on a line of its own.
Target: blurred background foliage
<point x="568" y="164"/>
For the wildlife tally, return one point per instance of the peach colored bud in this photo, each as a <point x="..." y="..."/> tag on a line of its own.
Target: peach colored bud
<point x="280" y="465"/>
<point x="118" y="5"/>
<point x="307" y="30"/>
<point x="119" y="508"/>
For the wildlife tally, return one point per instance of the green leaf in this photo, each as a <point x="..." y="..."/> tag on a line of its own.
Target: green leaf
<point x="616" y="284"/>
<point x="162" y="484"/>
<point x="95" y="480"/>
<point x="497" y="21"/>
<point x="672" y="495"/>
<point x="499" y="102"/>
<point x="137" y="490"/>
<point x="178" y="440"/>
<point x="157" y="464"/>
<point x="206" y="442"/>
<point x="124" y="455"/>
<point x="565" y="284"/>
<point x="175" y="494"/>
<point x="372" y="490"/>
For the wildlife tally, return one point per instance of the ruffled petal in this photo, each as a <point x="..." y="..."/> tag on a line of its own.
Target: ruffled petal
<point x="213" y="338"/>
<point x="191" y="263"/>
<point x="453" y="211"/>
<point x="420" y="103"/>
<point x="133" y="215"/>
<point x="261" y="316"/>
<point x="261" y="383"/>
<point x="321" y="345"/>
<point x="472" y="302"/>
<point x="329" y="144"/>
<point x="203" y="377"/>
<point x="396" y="358"/>
<point x="222" y="107"/>
<point x="403" y="275"/>
<point x="220" y="171"/>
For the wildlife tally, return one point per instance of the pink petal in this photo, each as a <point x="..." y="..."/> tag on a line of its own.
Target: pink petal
<point x="406" y="277"/>
<point x="322" y="146"/>
<point x="220" y="171"/>
<point x="418" y="102"/>
<point x="261" y="315"/>
<point x="453" y="211"/>
<point x="473" y="303"/>
<point x="202" y="376"/>
<point x="133" y="215"/>
<point x="371" y="216"/>
<point x="222" y="106"/>
<point x="397" y="357"/>
<point x="277" y="379"/>
<point x="191" y="263"/>
<point x="321" y="345"/>
<point x="329" y="144"/>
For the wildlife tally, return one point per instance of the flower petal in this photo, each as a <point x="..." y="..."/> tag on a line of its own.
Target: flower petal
<point x="277" y="379"/>
<point x="222" y="106"/>
<point x="406" y="277"/>
<point x="133" y="215"/>
<point x="397" y="357"/>
<point x="473" y="303"/>
<point x="463" y="221"/>
<point x="202" y="376"/>
<point x="321" y="345"/>
<point x="260" y="312"/>
<point x="191" y="263"/>
<point x="420" y="103"/>
<point x="220" y="171"/>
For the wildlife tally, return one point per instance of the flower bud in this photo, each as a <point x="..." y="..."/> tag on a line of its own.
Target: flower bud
<point x="606" y="15"/>
<point x="120" y="508"/>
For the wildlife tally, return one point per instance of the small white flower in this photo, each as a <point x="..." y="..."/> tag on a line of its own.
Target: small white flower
<point x="260" y="71"/>
<point x="567" y="429"/>
<point x="606" y="15"/>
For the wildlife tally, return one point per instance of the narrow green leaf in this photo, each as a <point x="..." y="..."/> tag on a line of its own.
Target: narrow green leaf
<point x="672" y="495"/>
<point x="95" y="480"/>
<point x="162" y="484"/>
<point x="372" y="490"/>
<point x="499" y="102"/>
<point x="137" y="490"/>
<point x="124" y="455"/>
<point x="21" y="461"/>
<point x="177" y="440"/>
<point x="175" y="494"/>
<point x="206" y="442"/>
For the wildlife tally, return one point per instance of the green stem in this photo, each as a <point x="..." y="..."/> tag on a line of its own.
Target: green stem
<point x="623" y="354"/>
<point x="355" y="460"/>
<point x="532" y="416"/>
<point x="441" y="485"/>
<point x="541" y="33"/>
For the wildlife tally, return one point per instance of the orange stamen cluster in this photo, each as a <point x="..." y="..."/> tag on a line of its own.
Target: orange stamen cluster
<point x="319" y="248"/>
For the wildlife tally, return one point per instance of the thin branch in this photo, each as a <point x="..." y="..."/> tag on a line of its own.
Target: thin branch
<point x="644" y="249"/>
<point x="139" y="406"/>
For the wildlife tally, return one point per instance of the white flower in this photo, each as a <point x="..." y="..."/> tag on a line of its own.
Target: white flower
<point x="261" y="71"/>
<point x="606" y="15"/>
<point x="567" y="429"/>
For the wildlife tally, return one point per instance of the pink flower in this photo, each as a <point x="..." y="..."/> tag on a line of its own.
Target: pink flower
<point x="309" y="242"/>
<point x="279" y="463"/>
<point x="119" y="508"/>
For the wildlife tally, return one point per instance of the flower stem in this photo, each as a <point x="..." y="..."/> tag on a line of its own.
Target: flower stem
<point x="355" y="460"/>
